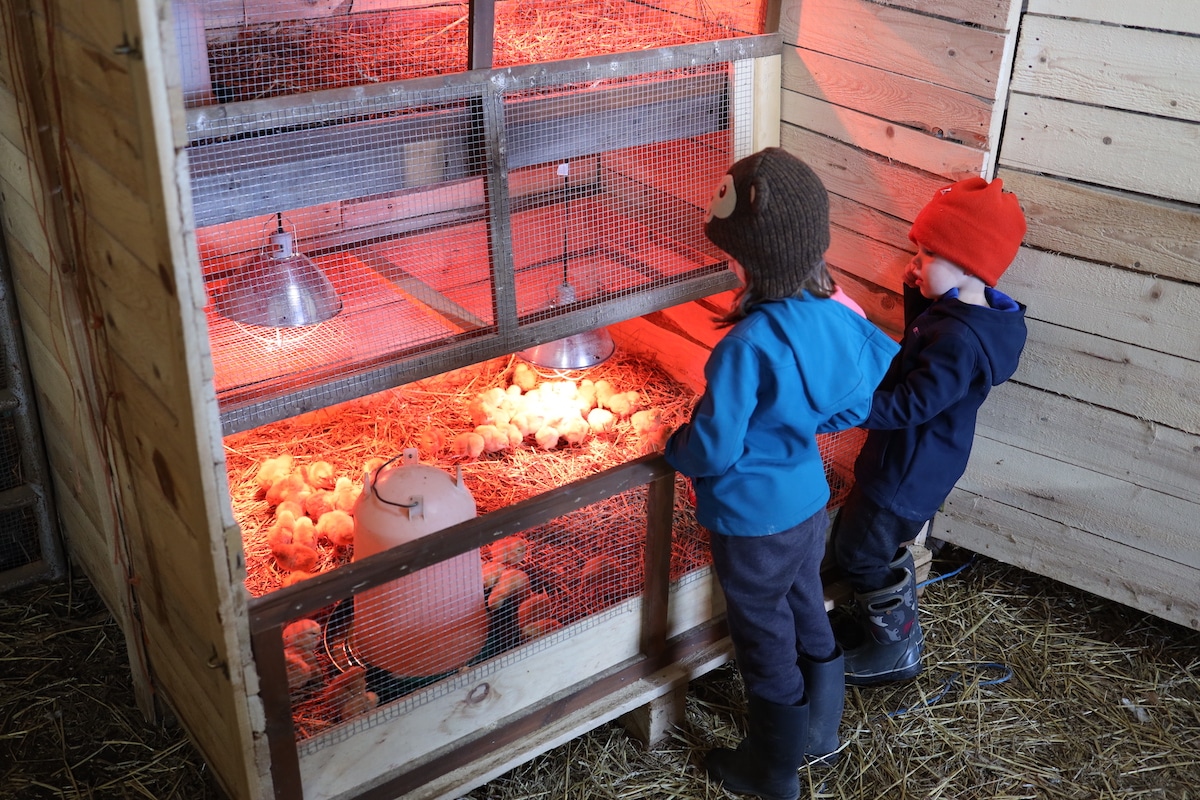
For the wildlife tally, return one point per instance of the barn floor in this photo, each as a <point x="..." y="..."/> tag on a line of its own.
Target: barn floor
<point x="1032" y="690"/>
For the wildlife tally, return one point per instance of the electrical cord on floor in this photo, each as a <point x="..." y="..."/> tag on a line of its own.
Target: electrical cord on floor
<point x="1005" y="671"/>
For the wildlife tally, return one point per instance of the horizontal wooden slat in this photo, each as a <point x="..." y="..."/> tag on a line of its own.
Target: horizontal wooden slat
<point x="1154" y="156"/>
<point x="1113" y="510"/>
<point x="1153" y="236"/>
<point x="1072" y="555"/>
<point x="874" y="181"/>
<point x="867" y="259"/>
<point x="929" y="153"/>
<point x="1133" y="380"/>
<point x="939" y="51"/>
<point x="1135" y="70"/>
<point x="985" y="13"/>
<point x="945" y="113"/>
<point x="1167" y="15"/>
<point x="1155" y="313"/>
<point x="1147" y="454"/>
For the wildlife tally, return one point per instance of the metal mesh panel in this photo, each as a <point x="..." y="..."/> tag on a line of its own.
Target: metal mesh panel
<point x="232" y="52"/>
<point x="390" y="649"/>
<point x="11" y="470"/>
<point x="20" y="543"/>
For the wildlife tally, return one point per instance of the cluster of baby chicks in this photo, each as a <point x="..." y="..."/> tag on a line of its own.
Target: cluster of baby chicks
<point x="311" y="507"/>
<point x="550" y="413"/>
<point x="346" y="695"/>
<point x="505" y="582"/>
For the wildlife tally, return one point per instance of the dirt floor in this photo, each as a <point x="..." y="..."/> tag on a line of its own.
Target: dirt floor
<point x="1032" y="690"/>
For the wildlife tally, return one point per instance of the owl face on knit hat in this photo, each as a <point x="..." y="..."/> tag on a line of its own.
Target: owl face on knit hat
<point x="771" y="214"/>
<point x="973" y="224"/>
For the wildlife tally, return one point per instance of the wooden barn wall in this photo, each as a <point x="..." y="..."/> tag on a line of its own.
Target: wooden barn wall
<point x="888" y="103"/>
<point x="1086" y="465"/>
<point x="102" y="274"/>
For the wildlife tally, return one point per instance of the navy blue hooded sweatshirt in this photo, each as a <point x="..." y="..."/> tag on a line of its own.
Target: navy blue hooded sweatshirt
<point x="922" y="421"/>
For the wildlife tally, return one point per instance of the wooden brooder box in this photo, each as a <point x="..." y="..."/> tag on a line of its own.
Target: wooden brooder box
<point x="885" y="100"/>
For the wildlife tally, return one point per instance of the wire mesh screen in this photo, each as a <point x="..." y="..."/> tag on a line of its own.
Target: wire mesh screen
<point x="234" y="50"/>
<point x="390" y="649"/>
<point x="359" y="240"/>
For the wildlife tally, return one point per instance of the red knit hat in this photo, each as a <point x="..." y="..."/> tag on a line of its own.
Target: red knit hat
<point x="973" y="224"/>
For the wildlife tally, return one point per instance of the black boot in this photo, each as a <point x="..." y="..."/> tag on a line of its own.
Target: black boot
<point x="766" y="762"/>
<point x="892" y="649"/>
<point x="825" y="687"/>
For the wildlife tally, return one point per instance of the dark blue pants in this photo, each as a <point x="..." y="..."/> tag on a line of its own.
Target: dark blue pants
<point x="775" y="605"/>
<point x="866" y="539"/>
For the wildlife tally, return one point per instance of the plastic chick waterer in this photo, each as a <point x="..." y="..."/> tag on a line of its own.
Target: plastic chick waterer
<point x="432" y="621"/>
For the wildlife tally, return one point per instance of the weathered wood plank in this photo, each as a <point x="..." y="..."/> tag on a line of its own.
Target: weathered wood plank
<point x="1153" y="236"/>
<point x="883" y="307"/>
<point x="874" y="181"/>
<point x="1142" y="383"/>
<point x="1072" y="555"/>
<point x="929" y="153"/>
<point x="1154" y="156"/>
<point x="868" y="259"/>
<point x="860" y="218"/>
<point x="22" y="222"/>
<point x="1135" y="70"/>
<point x="1166" y="15"/>
<point x="1146" y="454"/>
<point x="993" y="14"/>
<point x="945" y="113"/>
<point x="939" y="51"/>
<point x="1111" y="509"/>
<point x="1145" y="310"/>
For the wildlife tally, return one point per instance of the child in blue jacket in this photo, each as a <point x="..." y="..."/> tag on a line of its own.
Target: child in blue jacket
<point x="962" y="337"/>
<point x="794" y="363"/>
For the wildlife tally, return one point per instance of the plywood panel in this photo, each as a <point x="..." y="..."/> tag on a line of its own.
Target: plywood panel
<point x="1154" y="156"/>
<point x="939" y="51"/>
<point x="1072" y="555"/>
<point x="929" y="153"/>
<point x="1133" y="380"/>
<point x="874" y="181"/>
<point x="1167" y="15"/>
<point x="944" y="113"/>
<point x="1149" y="311"/>
<point x="1141" y="233"/>
<point x="1134" y="70"/>
<point x="1144" y="453"/>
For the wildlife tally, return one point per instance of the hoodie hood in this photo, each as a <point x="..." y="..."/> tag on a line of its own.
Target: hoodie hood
<point x="999" y="328"/>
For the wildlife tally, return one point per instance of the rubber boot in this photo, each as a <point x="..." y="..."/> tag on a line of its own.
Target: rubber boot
<point x="892" y="650"/>
<point x="766" y="762"/>
<point x="825" y="686"/>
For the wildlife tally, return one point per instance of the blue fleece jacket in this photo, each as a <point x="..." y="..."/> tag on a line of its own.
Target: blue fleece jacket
<point x="792" y="368"/>
<point x="922" y="421"/>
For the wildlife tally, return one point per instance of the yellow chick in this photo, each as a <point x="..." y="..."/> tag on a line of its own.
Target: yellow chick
<point x="597" y="571"/>
<point x="371" y="465"/>
<point x="604" y="391"/>
<point x="468" y="445"/>
<point x="432" y="442"/>
<point x="513" y="585"/>
<point x="305" y="532"/>
<point x="345" y="495"/>
<point x="293" y="578"/>
<point x="291" y="507"/>
<point x="300" y="672"/>
<point x="290" y="487"/>
<point x="524" y="376"/>
<point x="546" y="437"/>
<point x="528" y="422"/>
<point x="494" y="439"/>
<point x="318" y="474"/>
<point x="319" y="503"/>
<point x="623" y="404"/>
<point x="601" y="420"/>
<point x="337" y="527"/>
<point x="535" y="616"/>
<point x="576" y="430"/>
<point x="586" y="396"/>
<point x="510" y="550"/>
<point x="272" y="470"/>
<point x="303" y="636"/>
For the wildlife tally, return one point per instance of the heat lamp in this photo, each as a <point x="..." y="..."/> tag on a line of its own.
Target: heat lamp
<point x="580" y="350"/>
<point x="278" y="287"/>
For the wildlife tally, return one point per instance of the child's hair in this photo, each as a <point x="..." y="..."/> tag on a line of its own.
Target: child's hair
<point x="818" y="283"/>
<point x="771" y="214"/>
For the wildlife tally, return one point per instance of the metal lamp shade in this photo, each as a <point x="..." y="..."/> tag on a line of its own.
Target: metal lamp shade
<point x="580" y="351"/>
<point x="279" y="288"/>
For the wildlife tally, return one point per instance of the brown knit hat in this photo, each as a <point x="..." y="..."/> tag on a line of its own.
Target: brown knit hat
<point x="973" y="224"/>
<point x="771" y="214"/>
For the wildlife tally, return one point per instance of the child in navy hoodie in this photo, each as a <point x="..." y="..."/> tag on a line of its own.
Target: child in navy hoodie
<point x="794" y="363"/>
<point x="962" y="337"/>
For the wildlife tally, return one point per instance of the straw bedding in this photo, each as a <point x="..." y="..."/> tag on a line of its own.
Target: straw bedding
<point x="1103" y="702"/>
